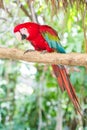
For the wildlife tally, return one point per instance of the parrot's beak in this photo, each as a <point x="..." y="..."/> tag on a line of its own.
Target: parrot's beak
<point x="23" y="36"/>
<point x="18" y="36"/>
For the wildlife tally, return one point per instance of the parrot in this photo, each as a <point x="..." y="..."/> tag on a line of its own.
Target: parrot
<point x="45" y="39"/>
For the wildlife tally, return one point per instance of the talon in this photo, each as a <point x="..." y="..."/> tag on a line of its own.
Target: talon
<point x="28" y="51"/>
<point x="44" y="51"/>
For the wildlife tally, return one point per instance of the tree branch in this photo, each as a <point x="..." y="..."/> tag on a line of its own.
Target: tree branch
<point x="31" y="7"/>
<point x="77" y="59"/>
<point x="1" y="4"/>
<point x="25" y="11"/>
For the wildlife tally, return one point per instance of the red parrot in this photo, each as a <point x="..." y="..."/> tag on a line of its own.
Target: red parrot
<point x="45" y="38"/>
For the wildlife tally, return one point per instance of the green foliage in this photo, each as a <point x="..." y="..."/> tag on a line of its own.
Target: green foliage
<point x="30" y="98"/>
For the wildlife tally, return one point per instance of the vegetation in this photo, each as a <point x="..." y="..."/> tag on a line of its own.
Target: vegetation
<point x="30" y="98"/>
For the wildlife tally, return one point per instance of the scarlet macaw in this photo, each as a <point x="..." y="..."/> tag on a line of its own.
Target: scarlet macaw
<point x="45" y="38"/>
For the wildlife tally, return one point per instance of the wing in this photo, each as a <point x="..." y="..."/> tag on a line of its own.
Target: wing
<point x="51" y="36"/>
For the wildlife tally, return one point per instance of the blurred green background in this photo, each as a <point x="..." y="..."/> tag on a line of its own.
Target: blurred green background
<point x="30" y="98"/>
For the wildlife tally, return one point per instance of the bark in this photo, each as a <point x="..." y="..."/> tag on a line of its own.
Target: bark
<point x="1" y="4"/>
<point x="78" y="59"/>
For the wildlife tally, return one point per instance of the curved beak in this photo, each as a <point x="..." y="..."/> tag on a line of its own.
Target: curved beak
<point x="23" y="36"/>
<point x="18" y="36"/>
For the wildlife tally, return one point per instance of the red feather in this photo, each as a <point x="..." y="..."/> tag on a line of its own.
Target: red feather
<point x="65" y="84"/>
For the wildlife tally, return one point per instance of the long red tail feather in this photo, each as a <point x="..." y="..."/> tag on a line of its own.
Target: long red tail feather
<point x="65" y="84"/>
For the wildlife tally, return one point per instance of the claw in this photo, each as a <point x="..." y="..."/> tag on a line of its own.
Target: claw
<point x="44" y="51"/>
<point x="28" y="51"/>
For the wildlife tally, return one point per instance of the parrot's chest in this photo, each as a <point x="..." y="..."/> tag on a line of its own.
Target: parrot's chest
<point x="39" y="43"/>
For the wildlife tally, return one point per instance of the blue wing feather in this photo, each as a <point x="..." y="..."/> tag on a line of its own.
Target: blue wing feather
<point x="54" y="43"/>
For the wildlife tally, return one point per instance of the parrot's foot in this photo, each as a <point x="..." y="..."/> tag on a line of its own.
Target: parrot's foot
<point x="44" y="51"/>
<point x="28" y="51"/>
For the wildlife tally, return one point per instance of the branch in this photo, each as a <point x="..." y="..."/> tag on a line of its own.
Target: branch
<point x="1" y="4"/>
<point x="32" y="10"/>
<point x="77" y="59"/>
<point x="25" y="11"/>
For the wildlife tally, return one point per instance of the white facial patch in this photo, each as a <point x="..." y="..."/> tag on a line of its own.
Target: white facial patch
<point x="24" y="31"/>
<point x="18" y="36"/>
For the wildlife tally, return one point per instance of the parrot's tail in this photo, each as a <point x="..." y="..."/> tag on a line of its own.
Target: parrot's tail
<point x="64" y="83"/>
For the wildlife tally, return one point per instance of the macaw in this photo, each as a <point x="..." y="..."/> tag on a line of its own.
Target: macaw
<point x="45" y="38"/>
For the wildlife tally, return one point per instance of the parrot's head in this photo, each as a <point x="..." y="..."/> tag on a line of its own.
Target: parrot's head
<point x="26" y="31"/>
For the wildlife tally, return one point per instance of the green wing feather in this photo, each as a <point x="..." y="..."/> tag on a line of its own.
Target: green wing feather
<point x="53" y="41"/>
